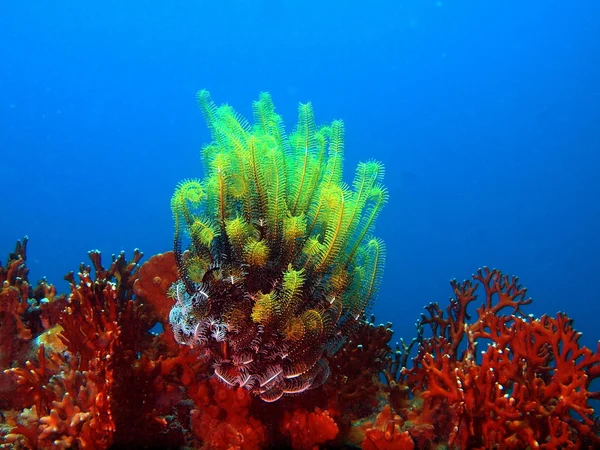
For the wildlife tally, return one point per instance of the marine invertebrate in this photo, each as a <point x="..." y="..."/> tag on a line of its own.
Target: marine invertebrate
<point x="353" y="388"/>
<point x="98" y="372"/>
<point x="386" y="433"/>
<point x="25" y="313"/>
<point x="155" y="277"/>
<point x="281" y="262"/>
<point x="308" y="430"/>
<point x="531" y="387"/>
<point x="68" y="394"/>
<point x="223" y="419"/>
<point x="15" y="327"/>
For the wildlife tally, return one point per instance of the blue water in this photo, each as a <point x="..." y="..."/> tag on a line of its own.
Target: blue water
<point x="486" y="115"/>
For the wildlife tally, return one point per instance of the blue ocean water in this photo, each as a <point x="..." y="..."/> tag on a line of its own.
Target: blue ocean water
<point x="486" y="115"/>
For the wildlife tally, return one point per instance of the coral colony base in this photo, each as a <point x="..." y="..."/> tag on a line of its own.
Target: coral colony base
<point x="263" y="339"/>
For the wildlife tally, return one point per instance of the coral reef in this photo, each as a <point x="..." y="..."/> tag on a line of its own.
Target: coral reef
<point x="25" y="313"/>
<point x="281" y="263"/>
<point x="531" y="387"/>
<point x="66" y="395"/>
<point x="255" y="337"/>
<point x="97" y="374"/>
<point x="386" y="433"/>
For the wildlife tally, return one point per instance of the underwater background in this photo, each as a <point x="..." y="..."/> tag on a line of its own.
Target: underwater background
<point x="485" y="114"/>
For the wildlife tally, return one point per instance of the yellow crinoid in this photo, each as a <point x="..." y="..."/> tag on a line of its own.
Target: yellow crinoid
<point x="281" y="262"/>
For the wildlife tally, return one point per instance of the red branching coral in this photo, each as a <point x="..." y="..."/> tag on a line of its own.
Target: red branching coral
<point x="14" y="292"/>
<point x="25" y="313"/>
<point x="15" y="267"/>
<point x="72" y="409"/>
<point x="71" y="404"/>
<point x="530" y="389"/>
<point x="386" y="433"/>
<point x="66" y="396"/>
<point x="144" y="376"/>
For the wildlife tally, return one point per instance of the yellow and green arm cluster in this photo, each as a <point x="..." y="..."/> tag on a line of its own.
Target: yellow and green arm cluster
<point x="275" y="204"/>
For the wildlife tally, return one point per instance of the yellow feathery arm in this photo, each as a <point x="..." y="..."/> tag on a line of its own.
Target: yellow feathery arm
<point x="315" y="212"/>
<point x="304" y="142"/>
<point x="233" y="124"/>
<point x="257" y="175"/>
<point x="219" y="167"/>
<point x="312" y="249"/>
<point x="265" y="309"/>
<point x="375" y="263"/>
<point x="379" y="196"/>
<point x="178" y="212"/>
<point x="293" y="234"/>
<point x="238" y="231"/>
<point x="336" y="227"/>
<point x="234" y="133"/>
<point x="263" y="111"/>
<point x="360" y="187"/>
<point x="290" y="295"/>
<point x="313" y="323"/>
<point x="318" y="206"/>
<point x="202" y="232"/>
<point x="268" y="123"/>
<point x="334" y="166"/>
<point x="277" y="132"/>
<point x="304" y="350"/>
<point x="256" y="253"/>
<point x="352" y="296"/>
<point x="317" y="169"/>
<point x="330" y="173"/>
<point x="276" y="194"/>
<point x="188" y="196"/>
<point x="367" y="174"/>
<point x="208" y="109"/>
<point x="293" y="331"/>
<point x="222" y="196"/>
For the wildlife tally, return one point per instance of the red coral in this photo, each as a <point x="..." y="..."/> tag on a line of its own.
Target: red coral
<point x="66" y="409"/>
<point x="531" y="387"/>
<point x="308" y="430"/>
<point x="71" y="405"/>
<point x="155" y="278"/>
<point x="67" y="396"/>
<point x="353" y="385"/>
<point x="14" y="293"/>
<point x="387" y="434"/>
<point x="24" y="314"/>
<point x="100" y="355"/>
<point x="222" y="418"/>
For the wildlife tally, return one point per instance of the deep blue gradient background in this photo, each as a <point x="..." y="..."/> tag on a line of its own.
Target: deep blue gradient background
<point x="486" y="114"/>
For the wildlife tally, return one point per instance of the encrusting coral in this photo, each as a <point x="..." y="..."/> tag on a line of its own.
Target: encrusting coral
<point x="282" y="263"/>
